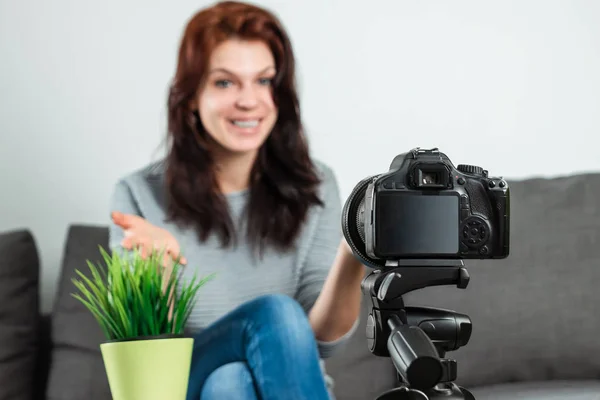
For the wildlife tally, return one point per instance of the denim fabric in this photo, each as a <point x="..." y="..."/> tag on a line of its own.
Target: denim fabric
<point x="231" y="381"/>
<point x="264" y="349"/>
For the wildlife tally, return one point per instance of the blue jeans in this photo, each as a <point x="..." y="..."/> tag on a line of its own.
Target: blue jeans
<point x="264" y="349"/>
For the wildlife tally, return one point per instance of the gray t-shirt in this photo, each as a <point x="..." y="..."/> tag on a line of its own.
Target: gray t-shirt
<point x="240" y="275"/>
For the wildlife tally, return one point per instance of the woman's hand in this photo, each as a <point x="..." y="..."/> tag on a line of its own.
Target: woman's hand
<point x="147" y="238"/>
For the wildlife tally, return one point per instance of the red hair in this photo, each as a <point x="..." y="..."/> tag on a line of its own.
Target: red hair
<point x="283" y="180"/>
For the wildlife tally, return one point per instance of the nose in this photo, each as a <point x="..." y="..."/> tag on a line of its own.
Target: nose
<point x="247" y="97"/>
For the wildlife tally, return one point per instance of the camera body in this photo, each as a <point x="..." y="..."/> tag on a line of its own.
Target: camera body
<point x="425" y="208"/>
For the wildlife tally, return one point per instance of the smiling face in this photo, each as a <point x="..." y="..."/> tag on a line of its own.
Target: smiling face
<point x="235" y="103"/>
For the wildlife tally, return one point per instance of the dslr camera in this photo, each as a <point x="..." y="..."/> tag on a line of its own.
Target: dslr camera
<point x="415" y="225"/>
<point x="425" y="208"/>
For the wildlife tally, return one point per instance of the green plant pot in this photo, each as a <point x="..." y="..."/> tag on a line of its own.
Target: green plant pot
<point x="148" y="368"/>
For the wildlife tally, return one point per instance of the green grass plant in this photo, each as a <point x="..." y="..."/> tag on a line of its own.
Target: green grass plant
<point x="128" y="298"/>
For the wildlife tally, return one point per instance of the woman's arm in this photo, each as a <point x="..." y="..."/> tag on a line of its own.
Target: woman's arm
<point x="330" y="276"/>
<point x="338" y="306"/>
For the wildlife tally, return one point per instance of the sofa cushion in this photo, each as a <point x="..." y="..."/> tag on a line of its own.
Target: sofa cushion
<point x="535" y="313"/>
<point x="77" y="370"/>
<point x="555" y="390"/>
<point x="19" y="314"/>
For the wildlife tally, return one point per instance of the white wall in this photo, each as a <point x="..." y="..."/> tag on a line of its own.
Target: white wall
<point x="510" y="85"/>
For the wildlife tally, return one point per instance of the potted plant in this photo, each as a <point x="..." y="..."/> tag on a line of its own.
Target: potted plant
<point x="142" y="309"/>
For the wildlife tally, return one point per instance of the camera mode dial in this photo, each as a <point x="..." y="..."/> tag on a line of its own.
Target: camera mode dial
<point x="470" y="169"/>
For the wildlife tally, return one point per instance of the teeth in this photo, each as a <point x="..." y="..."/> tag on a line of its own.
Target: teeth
<point x="246" y="124"/>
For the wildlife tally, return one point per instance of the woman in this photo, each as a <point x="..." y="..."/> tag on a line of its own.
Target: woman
<point x="239" y="193"/>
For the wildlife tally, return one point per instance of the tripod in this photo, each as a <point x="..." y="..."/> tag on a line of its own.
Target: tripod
<point x="417" y="338"/>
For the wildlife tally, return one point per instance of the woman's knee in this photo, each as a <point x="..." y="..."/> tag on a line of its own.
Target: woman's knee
<point x="228" y="382"/>
<point x="278" y="308"/>
<point x="282" y="315"/>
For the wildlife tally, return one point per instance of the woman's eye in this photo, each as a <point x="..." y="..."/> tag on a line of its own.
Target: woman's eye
<point x="265" y="81"/>
<point x="223" y="83"/>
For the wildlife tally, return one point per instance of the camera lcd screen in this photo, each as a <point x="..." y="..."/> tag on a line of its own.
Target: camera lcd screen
<point x="415" y="224"/>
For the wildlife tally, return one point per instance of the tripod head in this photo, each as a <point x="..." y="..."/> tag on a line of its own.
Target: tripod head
<point x="417" y="338"/>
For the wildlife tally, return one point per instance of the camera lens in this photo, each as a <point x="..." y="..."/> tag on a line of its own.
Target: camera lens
<point x="353" y="223"/>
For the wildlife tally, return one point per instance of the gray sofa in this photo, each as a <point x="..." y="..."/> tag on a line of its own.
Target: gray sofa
<point x="535" y="328"/>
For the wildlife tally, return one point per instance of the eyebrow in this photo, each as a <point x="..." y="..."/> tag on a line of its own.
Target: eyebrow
<point x="212" y="71"/>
